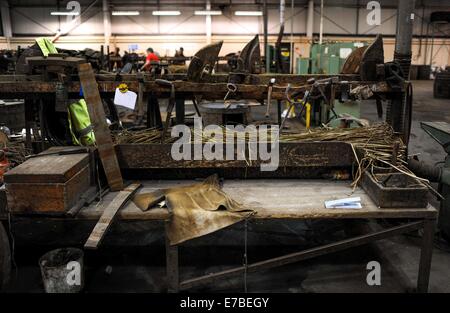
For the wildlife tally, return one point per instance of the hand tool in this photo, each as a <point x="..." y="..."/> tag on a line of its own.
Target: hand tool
<point x="232" y="88"/>
<point x="269" y="96"/>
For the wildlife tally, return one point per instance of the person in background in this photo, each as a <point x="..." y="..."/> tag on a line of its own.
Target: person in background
<point x="179" y="57"/>
<point x="115" y="60"/>
<point x="151" y="57"/>
<point x="126" y="58"/>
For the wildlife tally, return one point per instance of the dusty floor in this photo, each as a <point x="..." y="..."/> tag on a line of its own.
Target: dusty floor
<point x="141" y="269"/>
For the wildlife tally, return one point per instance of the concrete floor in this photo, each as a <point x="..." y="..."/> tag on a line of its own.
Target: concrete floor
<point x="141" y="269"/>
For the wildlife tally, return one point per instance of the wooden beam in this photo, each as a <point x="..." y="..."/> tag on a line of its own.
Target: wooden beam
<point x="108" y="215"/>
<point x="102" y="133"/>
<point x="14" y="90"/>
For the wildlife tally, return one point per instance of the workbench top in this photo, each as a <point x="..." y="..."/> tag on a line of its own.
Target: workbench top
<point x="273" y="199"/>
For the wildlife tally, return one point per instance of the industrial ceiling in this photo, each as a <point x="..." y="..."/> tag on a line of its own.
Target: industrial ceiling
<point x="218" y="3"/>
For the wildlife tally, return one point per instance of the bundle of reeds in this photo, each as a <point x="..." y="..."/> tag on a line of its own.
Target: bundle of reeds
<point x="374" y="146"/>
<point x="143" y="136"/>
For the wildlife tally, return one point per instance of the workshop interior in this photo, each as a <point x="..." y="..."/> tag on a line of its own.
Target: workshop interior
<point x="224" y="146"/>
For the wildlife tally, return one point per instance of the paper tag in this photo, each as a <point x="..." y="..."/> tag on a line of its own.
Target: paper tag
<point x="349" y="203"/>
<point x="126" y="99"/>
<point x="348" y="206"/>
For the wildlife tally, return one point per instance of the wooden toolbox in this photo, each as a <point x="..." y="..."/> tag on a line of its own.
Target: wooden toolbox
<point x="395" y="190"/>
<point x="48" y="183"/>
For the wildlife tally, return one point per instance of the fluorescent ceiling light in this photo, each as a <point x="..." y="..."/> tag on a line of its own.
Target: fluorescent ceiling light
<point x="208" y="12"/>
<point x="125" y="13"/>
<point x="166" y="12"/>
<point x="248" y="13"/>
<point x="65" y="13"/>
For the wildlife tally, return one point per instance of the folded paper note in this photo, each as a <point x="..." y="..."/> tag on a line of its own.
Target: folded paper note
<point x="348" y="203"/>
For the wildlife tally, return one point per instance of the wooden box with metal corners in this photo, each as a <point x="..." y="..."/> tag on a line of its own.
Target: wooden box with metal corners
<point x="48" y="183"/>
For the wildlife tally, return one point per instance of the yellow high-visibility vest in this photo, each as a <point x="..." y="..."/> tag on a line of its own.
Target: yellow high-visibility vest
<point x="80" y="124"/>
<point x="46" y="45"/>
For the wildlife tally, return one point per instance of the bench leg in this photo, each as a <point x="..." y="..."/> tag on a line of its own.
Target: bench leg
<point x="426" y="253"/>
<point x="172" y="267"/>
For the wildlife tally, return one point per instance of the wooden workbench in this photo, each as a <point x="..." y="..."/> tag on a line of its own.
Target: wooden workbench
<point x="293" y="200"/>
<point x="282" y="199"/>
<point x="273" y="199"/>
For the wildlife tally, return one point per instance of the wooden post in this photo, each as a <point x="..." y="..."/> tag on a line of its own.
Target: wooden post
<point x="102" y="134"/>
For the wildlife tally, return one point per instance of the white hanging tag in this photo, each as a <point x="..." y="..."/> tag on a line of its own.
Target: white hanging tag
<point x="126" y="99"/>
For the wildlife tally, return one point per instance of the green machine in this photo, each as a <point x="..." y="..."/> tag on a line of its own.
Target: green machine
<point x="327" y="58"/>
<point x="285" y="53"/>
<point x="303" y="66"/>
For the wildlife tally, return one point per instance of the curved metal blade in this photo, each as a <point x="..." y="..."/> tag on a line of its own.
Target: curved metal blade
<point x="439" y="131"/>
<point x="203" y="62"/>
<point x="249" y="60"/>
<point x="373" y="56"/>
<point x="353" y="61"/>
<point x="22" y="64"/>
